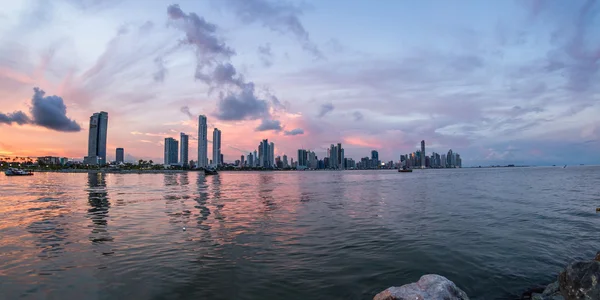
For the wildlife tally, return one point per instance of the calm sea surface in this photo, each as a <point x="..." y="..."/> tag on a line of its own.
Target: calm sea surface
<point x="292" y="235"/>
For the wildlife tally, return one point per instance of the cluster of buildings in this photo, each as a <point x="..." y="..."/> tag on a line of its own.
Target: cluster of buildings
<point x="263" y="157"/>
<point x="419" y="159"/>
<point x="176" y="153"/>
<point x="336" y="160"/>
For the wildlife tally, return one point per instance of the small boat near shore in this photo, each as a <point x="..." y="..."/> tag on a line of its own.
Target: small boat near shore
<point x="17" y="172"/>
<point x="404" y="170"/>
<point x="210" y="172"/>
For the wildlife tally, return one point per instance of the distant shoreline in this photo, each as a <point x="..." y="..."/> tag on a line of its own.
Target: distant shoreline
<point x="113" y="171"/>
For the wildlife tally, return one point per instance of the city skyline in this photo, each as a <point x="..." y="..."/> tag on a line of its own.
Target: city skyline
<point x="517" y="84"/>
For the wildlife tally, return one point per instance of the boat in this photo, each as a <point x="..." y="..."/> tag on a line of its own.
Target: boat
<point x="210" y="172"/>
<point x="17" y="172"/>
<point x="404" y="170"/>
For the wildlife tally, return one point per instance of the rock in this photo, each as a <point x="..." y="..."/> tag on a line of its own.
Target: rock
<point x="429" y="287"/>
<point x="552" y="289"/>
<point x="597" y="258"/>
<point x="579" y="281"/>
<point x="536" y="296"/>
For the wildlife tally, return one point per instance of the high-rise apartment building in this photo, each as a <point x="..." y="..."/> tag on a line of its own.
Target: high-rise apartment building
<point x="375" y="159"/>
<point x="171" y="148"/>
<point x="183" y="152"/>
<point x="340" y="156"/>
<point x="264" y="153"/>
<point x="271" y="154"/>
<point x="242" y="160"/>
<point x="256" y="159"/>
<point x="333" y="157"/>
<point x="202" y="142"/>
<point x="250" y="160"/>
<point x="217" y="147"/>
<point x="312" y="160"/>
<point x="285" y="161"/>
<point x="302" y="163"/>
<point x="423" y="159"/>
<point x="97" y="139"/>
<point x="120" y="155"/>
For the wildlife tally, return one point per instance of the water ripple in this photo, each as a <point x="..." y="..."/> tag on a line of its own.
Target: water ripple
<point x="292" y="235"/>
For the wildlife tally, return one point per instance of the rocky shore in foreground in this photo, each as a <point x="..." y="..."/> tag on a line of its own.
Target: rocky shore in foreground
<point x="578" y="281"/>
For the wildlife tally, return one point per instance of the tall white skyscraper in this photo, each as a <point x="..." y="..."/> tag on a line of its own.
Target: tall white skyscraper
<point x="97" y="139"/>
<point x="183" y="152"/>
<point x="202" y="142"/>
<point x="217" y="147"/>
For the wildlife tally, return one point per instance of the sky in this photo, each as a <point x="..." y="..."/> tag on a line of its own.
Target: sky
<point x="497" y="81"/>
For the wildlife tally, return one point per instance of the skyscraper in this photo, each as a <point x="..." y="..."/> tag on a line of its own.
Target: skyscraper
<point x="171" y="148"/>
<point x="202" y="142"/>
<point x="250" y="160"/>
<point x="423" y="159"/>
<point x="120" y="155"/>
<point x="242" y="161"/>
<point x="301" y="159"/>
<point x="333" y="160"/>
<point x="97" y="139"/>
<point x="450" y="159"/>
<point x="183" y="152"/>
<point x="285" y="161"/>
<point x="256" y="159"/>
<point x="340" y="157"/>
<point x="375" y="158"/>
<point x="216" y="147"/>
<point x="264" y="153"/>
<point x="271" y="154"/>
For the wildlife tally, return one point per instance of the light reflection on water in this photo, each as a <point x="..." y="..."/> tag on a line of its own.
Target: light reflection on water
<point x="292" y="235"/>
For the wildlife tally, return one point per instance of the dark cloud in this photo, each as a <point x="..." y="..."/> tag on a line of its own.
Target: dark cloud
<point x="297" y="131"/>
<point x="186" y="110"/>
<point x="265" y="55"/>
<point x="223" y="74"/>
<point x="49" y="112"/>
<point x="325" y="109"/>
<point x="202" y="35"/>
<point x="269" y="124"/>
<point x="18" y="117"/>
<point x="358" y="116"/>
<point x="242" y="105"/>
<point x="238" y="103"/>
<point x="278" y="16"/>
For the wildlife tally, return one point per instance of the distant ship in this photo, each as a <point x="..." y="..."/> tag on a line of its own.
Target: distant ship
<point x="404" y="170"/>
<point x="210" y="171"/>
<point x="17" y="172"/>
